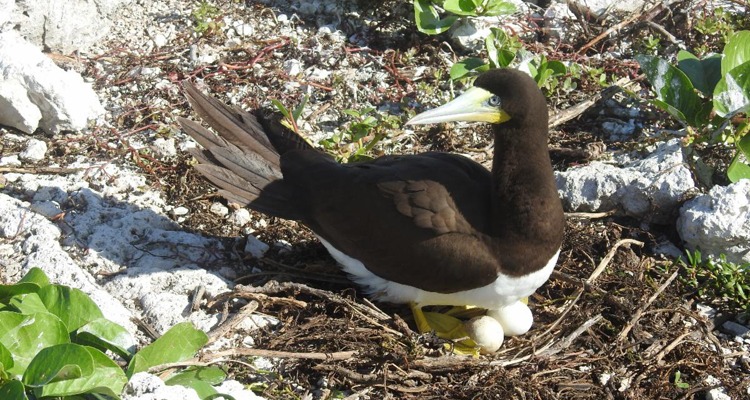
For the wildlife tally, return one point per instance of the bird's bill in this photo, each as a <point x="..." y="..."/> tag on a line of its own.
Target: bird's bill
<point x="471" y="106"/>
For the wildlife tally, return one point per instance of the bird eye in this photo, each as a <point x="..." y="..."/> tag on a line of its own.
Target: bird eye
<point x="494" y="101"/>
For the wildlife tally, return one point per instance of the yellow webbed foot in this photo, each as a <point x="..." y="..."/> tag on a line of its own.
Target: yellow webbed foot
<point x="449" y="327"/>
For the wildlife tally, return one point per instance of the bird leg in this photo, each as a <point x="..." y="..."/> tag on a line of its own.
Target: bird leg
<point x="419" y="318"/>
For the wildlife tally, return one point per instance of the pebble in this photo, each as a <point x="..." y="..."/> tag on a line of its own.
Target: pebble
<point x="10" y="161"/>
<point x="34" y="151"/>
<point x="165" y="147"/>
<point x="292" y="67"/>
<point x="219" y="209"/>
<point x="255" y="247"/>
<point x="160" y="40"/>
<point x="240" y="217"/>
<point x="734" y="329"/>
<point x="178" y="211"/>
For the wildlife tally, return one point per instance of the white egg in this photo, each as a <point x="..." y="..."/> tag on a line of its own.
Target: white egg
<point x="516" y="318"/>
<point x="486" y="332"/>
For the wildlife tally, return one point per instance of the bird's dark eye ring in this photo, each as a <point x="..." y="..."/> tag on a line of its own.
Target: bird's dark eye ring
<point x="494" y="101"/>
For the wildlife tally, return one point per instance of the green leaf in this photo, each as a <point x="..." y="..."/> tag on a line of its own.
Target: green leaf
<point x="703" y="74"/>
<point x="212" y="375"/>
<point x="25" y="335"/>
<point x="557" y="67"/>
<point x="35" y="275"/>
<point x="29" y="303"/>
<point x="58" y="363"/>
<point x="179" y="343"/>
<point x="199" y="379"/>
<point x="732" y="93"/>
<point x="464" y="67"/>
<point x="282" y="109"/>
<point x="673" y="88"/>
<point x="12" y="390"/>
<point x="301" y="106"/>
<point x="499" y="7"/>
<point x="427" y="19"/>
<point x="6" y="361"/>
<point x="106" y="378"/>
<point x="738" y="169"/>
<point x="107" y="335"/>
<point x="8" y="291"/>
<point x="71" y="305"/>
<point x="744" y="145"/>
<point x="496" y="43"/>
<point x="461" y="7"/>
<point x="736" y="51"/>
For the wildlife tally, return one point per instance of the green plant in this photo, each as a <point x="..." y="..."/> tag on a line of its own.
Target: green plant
<point x="501" y="51"/>
<point x="428" y="18"/>
<point x="718" y="22"/>
<point x="53" y="340"/>
<point x="356" y="140"/>
<point x="706" y="94"/>
<point x="651" y="44"/>
<point x="678" y="382"/>
<point x="546" y="72"/>
<point x="718" y="278"/>
<point x="206" y="18"/>
<point x="291" y="116"/>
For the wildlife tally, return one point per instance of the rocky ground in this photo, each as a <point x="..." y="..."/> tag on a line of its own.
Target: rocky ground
<point x="118" y="211"/>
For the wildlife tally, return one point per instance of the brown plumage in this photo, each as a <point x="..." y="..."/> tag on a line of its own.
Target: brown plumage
<point x="434" y="221"/>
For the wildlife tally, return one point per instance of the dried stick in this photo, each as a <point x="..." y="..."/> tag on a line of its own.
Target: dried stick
<point x="224" y="328"/>
<point x="606" y="260"/>
<point x="643" y="307"/>
<point x="643" y="16"/>
<point x="340" y="355"/>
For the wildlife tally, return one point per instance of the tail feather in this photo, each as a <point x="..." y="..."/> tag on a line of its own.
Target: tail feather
<point x="243" y="160"/>
<point x="236" y="126"/>
<point x="251" y="166"/>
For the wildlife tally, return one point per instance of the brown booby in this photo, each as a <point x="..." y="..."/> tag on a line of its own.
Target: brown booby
<point x="425" y="229"/>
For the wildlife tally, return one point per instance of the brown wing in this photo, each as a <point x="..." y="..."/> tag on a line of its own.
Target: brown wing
<point x="409" y="203"/>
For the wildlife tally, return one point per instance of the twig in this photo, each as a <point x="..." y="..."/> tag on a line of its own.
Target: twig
<point x="643" y="16"/>
<point x="277" y="287"/>
<point x="221" y="330"/>
<point x="643" y="307"/>
<point x="605" y="261"/>
<point x="348" y="374"/>
<point x="259" y="297"/>
<point x="340" y="355"/>
<point x="671" y="346"/>
<point x="571" y="112"/>
<point x="592" y="215"/>
<point x="569" y="339"/>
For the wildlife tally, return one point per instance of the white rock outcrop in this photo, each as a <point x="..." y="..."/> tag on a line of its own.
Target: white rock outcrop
<point x="650" y="188"/>
<point x="719" y="222"/>
<point x="34" y="92"/>
<point x="63" y="26"/>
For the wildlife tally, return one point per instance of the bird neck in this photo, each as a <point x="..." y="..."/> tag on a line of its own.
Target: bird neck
<point x="525" y="205"/>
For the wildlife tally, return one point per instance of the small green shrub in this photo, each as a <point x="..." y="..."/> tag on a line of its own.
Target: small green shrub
<point x="357" y="139"/>
<point x="706" y="94"/>
<point x="428" y="18"/>
<point x="53" y="340"/>
<point x="291" y="116"/>
<point x="718" y="279"/>
<point x="206" y="18"/>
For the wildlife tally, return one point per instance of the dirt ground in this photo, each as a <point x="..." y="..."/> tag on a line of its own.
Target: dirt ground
<point x="615" y="321"/>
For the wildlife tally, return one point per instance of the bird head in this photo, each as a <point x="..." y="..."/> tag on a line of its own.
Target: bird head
<point x="498" y="95"/>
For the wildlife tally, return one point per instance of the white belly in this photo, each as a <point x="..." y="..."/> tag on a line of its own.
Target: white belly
<point x="503" y="291"/>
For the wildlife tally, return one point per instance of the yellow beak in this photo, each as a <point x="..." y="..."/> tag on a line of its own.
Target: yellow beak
<point x="471" y="106"/>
